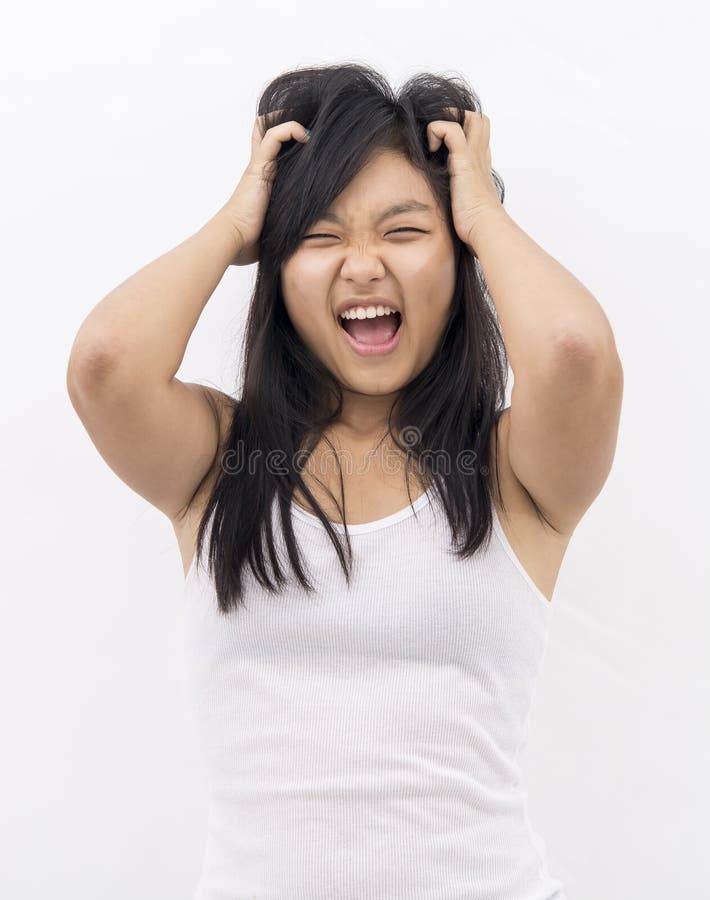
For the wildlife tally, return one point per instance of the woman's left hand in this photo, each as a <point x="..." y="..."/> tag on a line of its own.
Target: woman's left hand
<point x="473" y="190"/>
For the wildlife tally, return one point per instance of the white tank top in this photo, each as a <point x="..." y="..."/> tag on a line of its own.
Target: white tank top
<point x="364" y="744"/>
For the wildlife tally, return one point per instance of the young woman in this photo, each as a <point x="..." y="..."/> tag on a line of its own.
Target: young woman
<point x="383" y="535"/>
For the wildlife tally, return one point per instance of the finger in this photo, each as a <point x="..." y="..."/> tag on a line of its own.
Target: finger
<point x="476" y="127"/>
<point x="474" y="120"/>
<point x="260" y="122"/>
<point x="449" y="133"/>
<point x="469" y="112"/>
<point x="455" y="110"/>
<point x="285" y="131"/>
<point x="276" y="135"/>
<point x="470" y="115"/>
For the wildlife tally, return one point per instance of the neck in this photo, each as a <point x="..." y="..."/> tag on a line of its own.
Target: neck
<point x="364" y="418"/>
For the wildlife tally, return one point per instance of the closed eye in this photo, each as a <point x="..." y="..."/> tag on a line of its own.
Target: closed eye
<point x="421" y="231"/>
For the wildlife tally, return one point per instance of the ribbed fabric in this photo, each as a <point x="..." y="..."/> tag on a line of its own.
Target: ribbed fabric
<point x="365" y="744"/>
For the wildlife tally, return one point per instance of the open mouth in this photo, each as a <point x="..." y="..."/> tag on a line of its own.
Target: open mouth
<point x="374" y="332"/>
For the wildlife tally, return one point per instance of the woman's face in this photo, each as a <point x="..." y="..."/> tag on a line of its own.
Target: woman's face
<point x="359" y="257"/>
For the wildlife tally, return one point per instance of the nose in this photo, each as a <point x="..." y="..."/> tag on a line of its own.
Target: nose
<point x="361" y="264"/>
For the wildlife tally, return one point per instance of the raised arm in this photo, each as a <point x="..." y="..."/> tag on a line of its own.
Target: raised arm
<point x="159" y="435"/>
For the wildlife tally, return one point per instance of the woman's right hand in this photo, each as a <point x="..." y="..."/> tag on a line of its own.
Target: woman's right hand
<point x="246" y="208"/>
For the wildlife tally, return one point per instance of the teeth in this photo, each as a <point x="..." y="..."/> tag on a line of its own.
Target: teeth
<point x="367" y="312"/>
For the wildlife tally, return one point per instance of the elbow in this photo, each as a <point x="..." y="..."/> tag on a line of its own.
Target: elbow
<point x="583" y="350"/>
<point x="90" y="363"/>
<point x="585" y="363"/>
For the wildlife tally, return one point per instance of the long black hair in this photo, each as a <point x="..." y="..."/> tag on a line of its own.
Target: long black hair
<point x="285" y="406"/>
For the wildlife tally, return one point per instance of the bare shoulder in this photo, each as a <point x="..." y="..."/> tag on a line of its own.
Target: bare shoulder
<point x="538" y="546"/>
<point x="187" y="525"/>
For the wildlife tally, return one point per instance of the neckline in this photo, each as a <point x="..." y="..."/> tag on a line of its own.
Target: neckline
<point x="364" y="527"/>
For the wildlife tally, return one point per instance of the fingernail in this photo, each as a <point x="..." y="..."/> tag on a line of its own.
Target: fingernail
<point x="308" y="132"/>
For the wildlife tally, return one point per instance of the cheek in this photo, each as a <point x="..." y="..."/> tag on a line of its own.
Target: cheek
<point x="306" y="269"/>
<point x="421" y="268"/>
<point x="305" y="289"/>
<point x="309" y="327"/>
<point x="297" y="288"/>
<point x="430" y="289"/>
<point x="427" y="264"/>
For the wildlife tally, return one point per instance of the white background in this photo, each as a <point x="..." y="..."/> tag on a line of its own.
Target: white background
<point x="125" y="128"/>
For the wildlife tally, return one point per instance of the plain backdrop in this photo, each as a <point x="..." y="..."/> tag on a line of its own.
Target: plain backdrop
<point x="126" y="127"/>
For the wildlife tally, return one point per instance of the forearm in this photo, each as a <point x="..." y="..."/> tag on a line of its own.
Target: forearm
<point x="143" y="326"/>
<point x="540" y="304"/>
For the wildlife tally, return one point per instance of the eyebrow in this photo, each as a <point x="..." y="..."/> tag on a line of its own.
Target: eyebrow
<point x="396" y="209"/>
